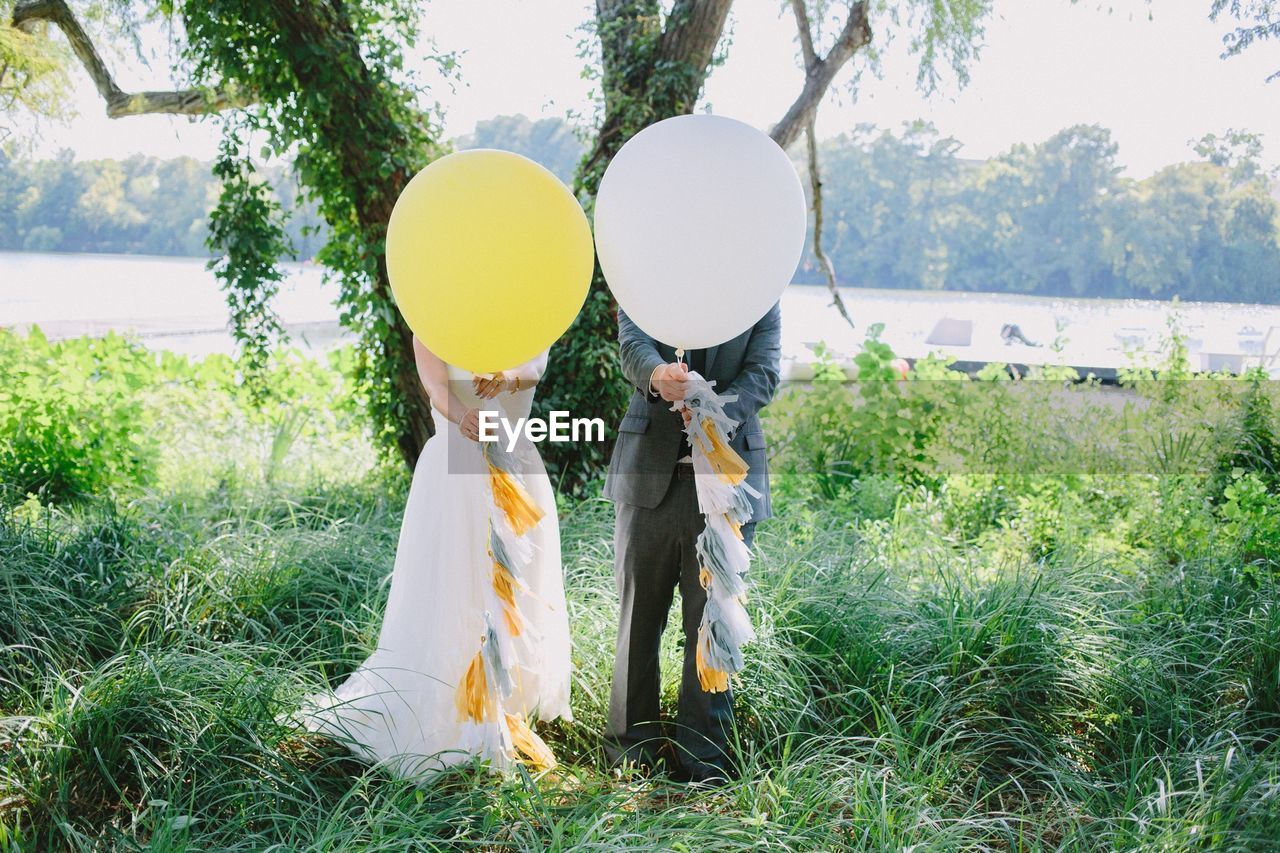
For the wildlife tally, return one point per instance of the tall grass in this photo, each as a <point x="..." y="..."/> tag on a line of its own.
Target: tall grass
<point x="932" y="699"/>
<point x="948" y="659"/>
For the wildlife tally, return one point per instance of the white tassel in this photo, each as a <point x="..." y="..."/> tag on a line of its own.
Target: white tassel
<point x="736" y="621"/>
<point x="489" y="740"/>
<point x="510" y="641"/>
<point x="722" y="554"/>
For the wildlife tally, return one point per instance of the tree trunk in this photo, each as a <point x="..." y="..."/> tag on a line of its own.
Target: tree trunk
<point x="651" y="71"/>
<point x="637" y="92"/>
<point x="326" y="28"/>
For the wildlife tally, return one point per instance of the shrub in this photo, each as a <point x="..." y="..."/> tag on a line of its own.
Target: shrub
<point x="876" y="427"/>
<point x="72" y="420"/>
<point x="1254" y="446"/>
<point x="1251" y="517"/>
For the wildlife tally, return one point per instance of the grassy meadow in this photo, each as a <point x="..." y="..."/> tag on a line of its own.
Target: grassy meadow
<point x="992" y="615"/>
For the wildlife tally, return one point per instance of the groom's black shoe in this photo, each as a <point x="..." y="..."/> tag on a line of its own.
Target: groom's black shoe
<point x="704" y="774"/>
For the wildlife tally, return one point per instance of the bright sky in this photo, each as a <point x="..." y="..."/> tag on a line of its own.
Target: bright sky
<point x="1150" y="73"/>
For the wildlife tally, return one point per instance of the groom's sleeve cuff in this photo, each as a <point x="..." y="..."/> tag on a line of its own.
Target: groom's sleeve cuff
<point x="652" y="374"/>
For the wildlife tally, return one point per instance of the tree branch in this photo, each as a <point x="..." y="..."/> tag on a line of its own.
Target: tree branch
<point x="815" y="184"/>
<point x="819" y="72"/>
<point x="806" y="33"/>
<point x="801" y="117"/>
<point x="119" y="102"/>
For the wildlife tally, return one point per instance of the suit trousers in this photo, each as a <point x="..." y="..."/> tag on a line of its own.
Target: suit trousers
<point x="654" y="553"/>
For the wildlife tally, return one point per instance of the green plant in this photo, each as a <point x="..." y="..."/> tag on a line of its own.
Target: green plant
<point x="894" y="422"/>
<point x="1251" y="517"/>
<point x="1013" y="656"/>
<point x="878" y="425"/>
<point x="815" y="423"/>
<point x="1254" y="446"/>
<point x="73" y="419"/>
<point x="328" y="84"/>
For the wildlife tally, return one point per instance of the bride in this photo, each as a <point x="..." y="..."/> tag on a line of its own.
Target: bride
<point x="475" y="639"/>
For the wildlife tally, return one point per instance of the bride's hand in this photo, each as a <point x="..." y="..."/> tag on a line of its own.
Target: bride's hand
<point x="469" y="426"/>
<point x="486" y="388"/>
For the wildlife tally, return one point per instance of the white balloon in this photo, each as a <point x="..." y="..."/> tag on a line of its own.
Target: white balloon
<point x="699" y="224"/>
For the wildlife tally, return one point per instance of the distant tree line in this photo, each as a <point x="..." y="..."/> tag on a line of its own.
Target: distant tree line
<point x="142" y="205"/>
<point x="1055" y="218"/>
<point x="903" y="211"/>
<point x="145" y="205"/>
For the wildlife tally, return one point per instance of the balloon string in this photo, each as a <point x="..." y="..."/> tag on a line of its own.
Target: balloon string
<point x="680" y="355"/>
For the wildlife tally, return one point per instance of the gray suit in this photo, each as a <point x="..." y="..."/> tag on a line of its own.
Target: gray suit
<point x="657" y="524"/>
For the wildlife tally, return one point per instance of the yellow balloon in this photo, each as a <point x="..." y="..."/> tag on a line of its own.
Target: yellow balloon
<point x="490" y="257"/>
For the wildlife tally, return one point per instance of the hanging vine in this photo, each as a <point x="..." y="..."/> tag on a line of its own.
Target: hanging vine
<point x="247" y="239"/>
<point x="324" y="82"/>
<point x="329" y="87"/>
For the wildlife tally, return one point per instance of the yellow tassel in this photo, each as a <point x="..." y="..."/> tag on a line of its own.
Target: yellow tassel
<point x="728" y="465"/>
<point x="711" y="680"/>
<point x="704" y="578"/>
<point x="473" y="699"/>
<point x="735" y="527"/>
<point x="504" y="586"/>
<point x="534" y="747"/>
<point x="516" y="503"/>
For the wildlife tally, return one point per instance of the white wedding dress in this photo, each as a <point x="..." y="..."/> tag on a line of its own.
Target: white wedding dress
<point x="398" y="708"/>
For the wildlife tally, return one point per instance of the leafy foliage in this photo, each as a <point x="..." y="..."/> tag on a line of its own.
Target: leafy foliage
<point x="1251" y="512"/>
<point x="1254" y="448"/>
<point x="246" y="228"/>
<point x="142" y="205"/>
<point x="72" y="417"/>
<point x="551" y="142"/>
<point x="1258" y="20"/>
<point x="874" y="428"/>
<point x="31" y="75"/>
<point x="151" y="206"/>
<point x="1055" y="218"/>
<point x="940" y="33"/>
<point x="330" y="85"/>
<point x="83" y="416"/>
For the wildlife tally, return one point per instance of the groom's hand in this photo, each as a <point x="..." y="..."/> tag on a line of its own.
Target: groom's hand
<point x="669" y="381"/>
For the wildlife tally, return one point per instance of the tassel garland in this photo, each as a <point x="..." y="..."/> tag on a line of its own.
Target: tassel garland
<point x="474" y="699"/>
<point x="490" y="681"/>
<point x="509" y="494"/>
<point x="724" y="499"/>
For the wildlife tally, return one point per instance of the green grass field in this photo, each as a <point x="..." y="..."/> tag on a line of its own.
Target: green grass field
<point x="961" y="661"/>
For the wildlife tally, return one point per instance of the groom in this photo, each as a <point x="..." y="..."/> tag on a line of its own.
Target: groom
<point x="651" y="483"/>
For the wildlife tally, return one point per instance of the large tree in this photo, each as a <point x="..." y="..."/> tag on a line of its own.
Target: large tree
<point x="653" y="66"/>
<point x="324" y="81"/>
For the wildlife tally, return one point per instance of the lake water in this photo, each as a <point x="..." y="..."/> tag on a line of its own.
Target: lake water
<point x="175" y="304"/>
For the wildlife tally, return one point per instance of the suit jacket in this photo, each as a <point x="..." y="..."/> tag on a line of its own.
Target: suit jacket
<point x="651" y="436"/>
